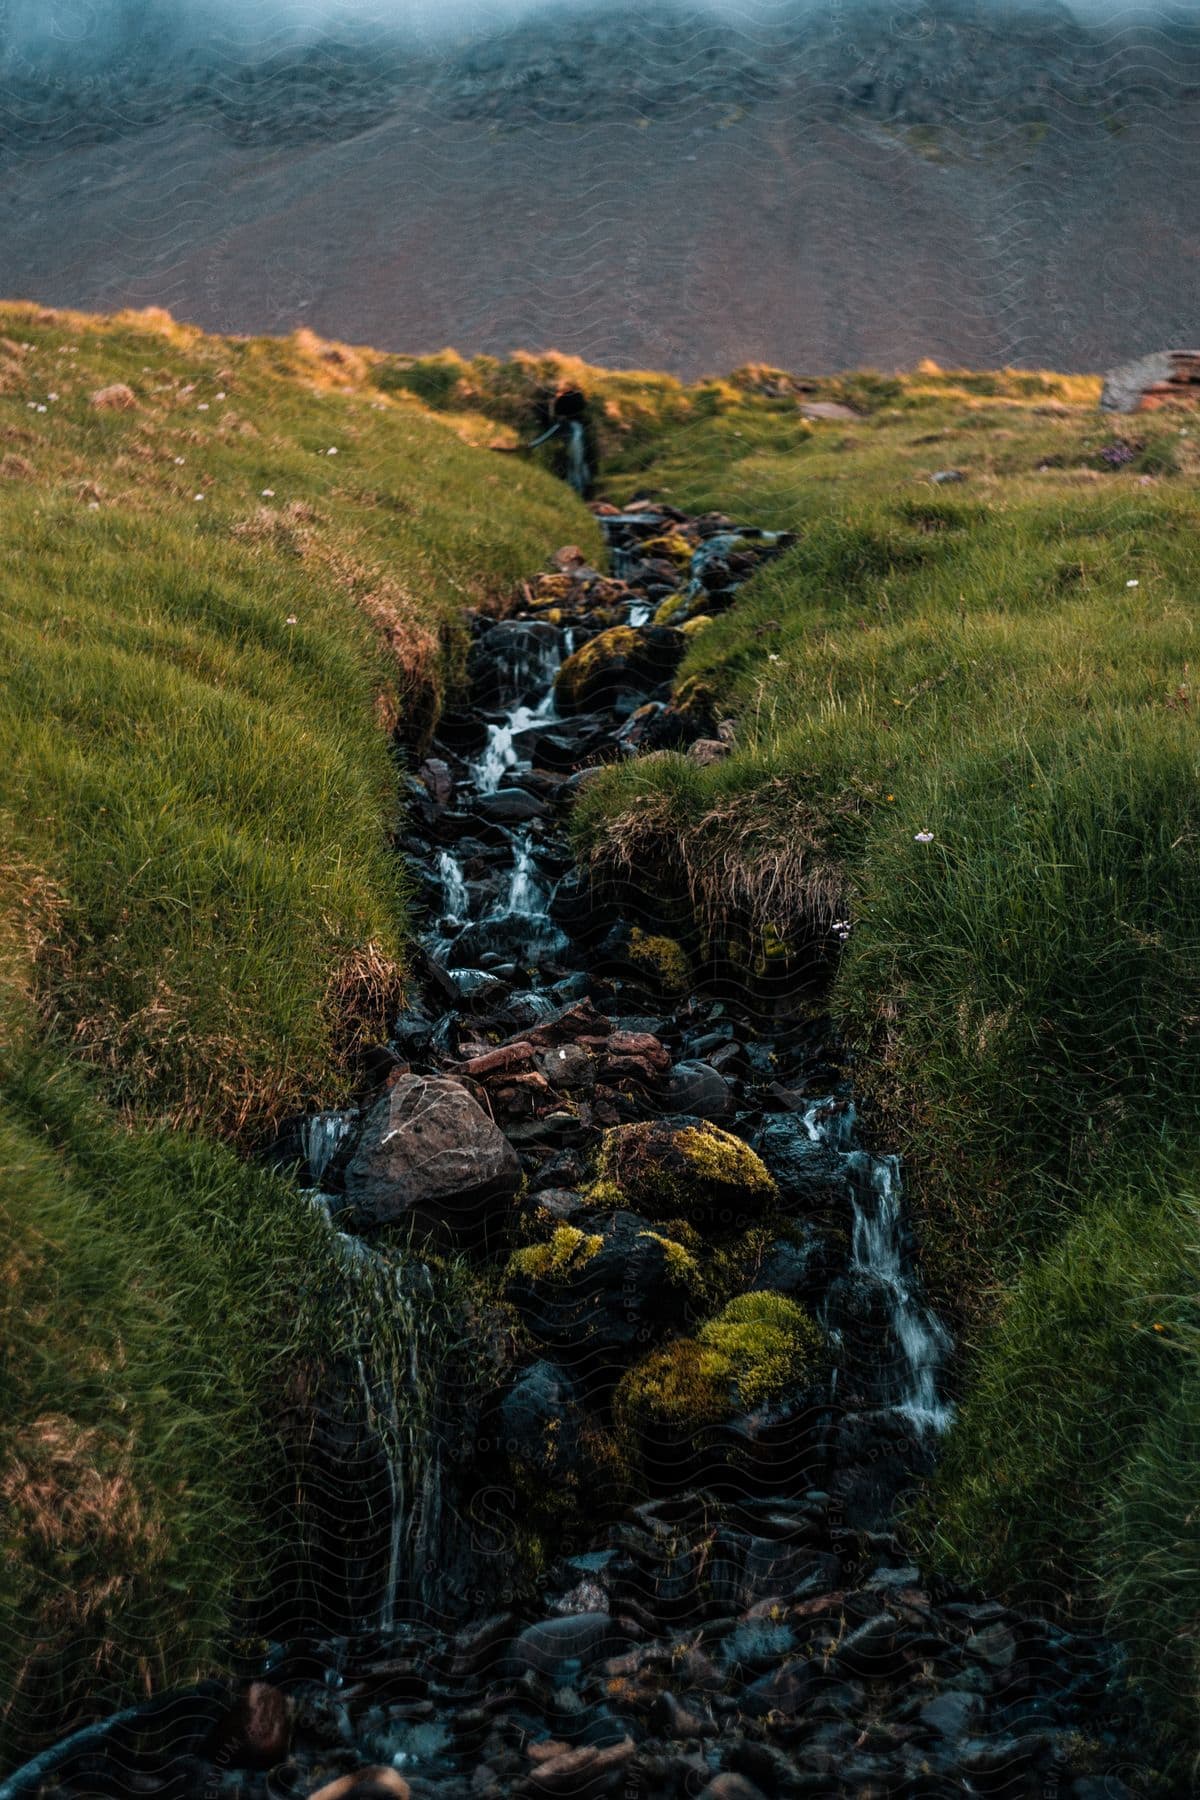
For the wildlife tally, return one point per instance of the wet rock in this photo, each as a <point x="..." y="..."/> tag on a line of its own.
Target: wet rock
<point x="698" y="1088"/>
<point x="811" y="1175"/>
<point x="365" y="1784"/>
<point x="670" y="1168"/>
<point x="462" y="731"/>
<point x="431" y="1154"/>
<point x="1005" y="1764"/>
<point x="878" y="1455"/>
<point x="952" y="1714"/>
<point x="618" y="662"/>
<point x="785" y="1691"/>
<point x="436" y="776"/>
<point x="255" y="1732"/>
<point x="730" y="1786"/>
<point x="551" y="1646"/>
<point x="509" y="806"/>
<point x="730" y="1408"/>
<point x="673" y="1716"/>
<point x="512" y="661"/>
<point x="873" y="1651"/>
<point x="577" y="1022"/>
<point x="600" y="1296"/>
<point x="539" y="1422"/>
<point x="583" y="1774"/>
<point x="995" y="1646"/>
<point x="502" y="1060"/>
<point x="479" y="1647"/>
<point x="567" y="1066"/>
<point x="799" y="1265"/>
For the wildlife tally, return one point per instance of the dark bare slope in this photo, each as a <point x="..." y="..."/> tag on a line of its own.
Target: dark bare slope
<point x="871" y="185"/>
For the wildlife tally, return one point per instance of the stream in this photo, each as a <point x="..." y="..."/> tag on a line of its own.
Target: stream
<point x="496" y="1604"/>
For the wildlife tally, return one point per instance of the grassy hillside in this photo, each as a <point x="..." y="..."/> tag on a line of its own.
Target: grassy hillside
<point x="220" y="590"/>
<point x="966" y="722"/>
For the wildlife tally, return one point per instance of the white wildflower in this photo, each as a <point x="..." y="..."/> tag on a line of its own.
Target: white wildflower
<point x="268" y="493"/>
<point x="291" y="619"/>
<point x="1131" y="584"/>
<point x="923" y="837"/>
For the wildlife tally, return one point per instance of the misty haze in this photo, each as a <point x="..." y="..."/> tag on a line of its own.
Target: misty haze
<point x="671" y="186"/>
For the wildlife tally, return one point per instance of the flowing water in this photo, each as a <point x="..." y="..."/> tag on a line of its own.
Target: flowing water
<point x="750" y="1616"/>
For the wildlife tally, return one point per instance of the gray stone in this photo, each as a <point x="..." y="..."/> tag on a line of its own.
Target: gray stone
<point x="429" y="1152"/>
<point x="582" y="1638"/>
<point x="697" y="1088"/>
<point x="952" y="1714"/>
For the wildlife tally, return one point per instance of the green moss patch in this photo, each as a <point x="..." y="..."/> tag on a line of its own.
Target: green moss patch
<point x="685" y="1171"/>
<point x="563" y="1255"/>
<point x="662" y="960"/>
<point x="754" y="1351"/>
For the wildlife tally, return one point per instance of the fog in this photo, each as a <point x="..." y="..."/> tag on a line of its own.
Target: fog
<point x="94" y="32"/>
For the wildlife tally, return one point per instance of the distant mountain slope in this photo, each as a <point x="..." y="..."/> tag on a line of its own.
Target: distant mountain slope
<point x="670" y="188"/>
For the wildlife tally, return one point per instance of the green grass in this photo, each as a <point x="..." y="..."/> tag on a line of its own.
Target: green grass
<point x="201" y="925"/>
<point x="1006" y="662"/>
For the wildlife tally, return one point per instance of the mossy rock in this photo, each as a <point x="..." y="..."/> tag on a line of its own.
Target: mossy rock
<point x="691" y="1170"/>
<point x="673" y="610"/>
<point x="599" y="1299"/>
<point x="670" y="546"/>
<point x="563" y="1255"/>
<point x="660" y="960"/>
<point x="702" y="1400"/>
<point x="615" y="662"/>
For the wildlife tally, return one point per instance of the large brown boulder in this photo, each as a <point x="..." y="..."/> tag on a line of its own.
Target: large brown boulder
<point x="430" y="1154"/>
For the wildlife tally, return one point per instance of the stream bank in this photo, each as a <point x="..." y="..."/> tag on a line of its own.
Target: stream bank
<point x="621" y="1519"/>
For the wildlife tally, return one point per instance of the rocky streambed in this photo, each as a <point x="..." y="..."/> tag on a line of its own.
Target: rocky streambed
<point x="618" y="1514"/>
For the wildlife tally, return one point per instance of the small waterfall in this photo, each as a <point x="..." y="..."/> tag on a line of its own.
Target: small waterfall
<point x="391" y="1325"/>
<point x="878" y="1255"/>
<point x="455" y="899"/>
<point x="499" y="754"/>
<point x="526" y="898"/>
<point x="321" y="1137"/>
<point x="579" y="471"/>
<point x="639" y="614"/>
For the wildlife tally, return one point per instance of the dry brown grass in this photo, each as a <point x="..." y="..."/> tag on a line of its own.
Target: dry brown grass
<point x="64" y="1486"/>
<point x="31" y="911"/>
<point x="759" y="865"/>
<point x="364" y="995"/>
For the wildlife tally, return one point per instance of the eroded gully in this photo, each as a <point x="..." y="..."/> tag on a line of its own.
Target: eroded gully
<point x="523" y="1578"/>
